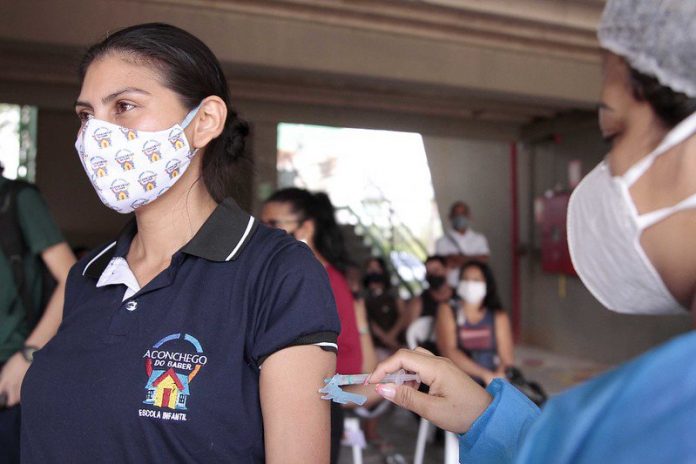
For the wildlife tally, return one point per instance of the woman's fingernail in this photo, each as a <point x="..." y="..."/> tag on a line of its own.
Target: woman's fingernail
<point x="386" y="391"/>
<point x="367" y="380"/>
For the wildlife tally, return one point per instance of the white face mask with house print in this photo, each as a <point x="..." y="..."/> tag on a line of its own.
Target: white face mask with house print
<point x="130" y="168"/>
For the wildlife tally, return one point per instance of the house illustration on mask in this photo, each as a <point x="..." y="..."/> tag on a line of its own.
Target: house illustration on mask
<point x="103" y="137"/>
<point x="176" y="138"/>
<point x="120" y="189"/>
<point x="124" y="158"/>
<point x="131" y="134"/>
<point x="148" y="180"/>
<point x="172" y="168"/>
<point x="151" y="149"/>
<point x="99" y="166"/>
<point x="167" y="389"/>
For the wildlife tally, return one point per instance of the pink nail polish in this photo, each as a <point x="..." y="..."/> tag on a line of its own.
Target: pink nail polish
<point x="386" y="391"/>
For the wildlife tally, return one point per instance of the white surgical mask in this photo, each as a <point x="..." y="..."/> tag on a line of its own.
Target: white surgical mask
<point x="130" y="168"/>
<point x="604" y="230"/>
<point x="472" y="291"/>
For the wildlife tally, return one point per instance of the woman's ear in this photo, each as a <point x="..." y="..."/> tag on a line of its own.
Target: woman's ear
<point x="306" y="232"/>
<point x="209" y="122"/>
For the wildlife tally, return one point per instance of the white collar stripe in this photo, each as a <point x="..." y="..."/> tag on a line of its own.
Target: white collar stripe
<point x="241" y="241"/>
<point x="111" y="245"/>
<point x="327" y="344"/>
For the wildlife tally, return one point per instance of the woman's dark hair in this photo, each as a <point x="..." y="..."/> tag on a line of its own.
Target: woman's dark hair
<point x="439" y="258"/>
<point x="328" y="238"/>
<point x="492" y="300"/>
<point x="188" y="67"/>
<point x="670" y="106"/>
<point x="386" y="277"/>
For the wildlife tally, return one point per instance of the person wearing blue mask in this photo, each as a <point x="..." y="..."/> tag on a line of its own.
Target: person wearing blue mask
<point x="631" y="229"/>
<point x="461" y="244"/>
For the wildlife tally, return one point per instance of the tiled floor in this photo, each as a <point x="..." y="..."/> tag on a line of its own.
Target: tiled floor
<point x="554" y="372"/>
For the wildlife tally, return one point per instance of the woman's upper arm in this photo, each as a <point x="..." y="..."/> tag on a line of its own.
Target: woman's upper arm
<point x="503" y="335"/>
<point x="297" y="424"/>
<point x="58" y="258"/>
<point x="445" y="329"/>
<point x="415" y="307"/>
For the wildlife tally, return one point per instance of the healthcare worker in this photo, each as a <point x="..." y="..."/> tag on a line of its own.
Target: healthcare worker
<point x="198" y="335"/>
<point x="632" y="236"/>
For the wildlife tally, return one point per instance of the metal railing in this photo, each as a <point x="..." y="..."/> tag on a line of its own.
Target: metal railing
<point x="380" y="228"/>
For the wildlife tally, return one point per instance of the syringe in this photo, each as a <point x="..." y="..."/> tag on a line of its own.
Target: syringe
<point x="359" y="379"/>
<point x="332" y="390"/>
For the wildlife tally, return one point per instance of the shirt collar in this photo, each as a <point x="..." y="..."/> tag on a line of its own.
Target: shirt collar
<point x="224" y="234"/>
<point x="118" y="272"/>
<point x="222" y="237"/>
<point x="456" y="233"/>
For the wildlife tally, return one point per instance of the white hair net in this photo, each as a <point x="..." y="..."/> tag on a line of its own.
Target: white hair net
<point x="656" y="37"/>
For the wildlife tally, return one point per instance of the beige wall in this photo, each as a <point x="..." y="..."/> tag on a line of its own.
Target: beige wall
<point x="258" y="43"/>
<point x="478" y="172"/>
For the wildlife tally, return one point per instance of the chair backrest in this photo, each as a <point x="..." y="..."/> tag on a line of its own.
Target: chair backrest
<point x="420" y="330"/>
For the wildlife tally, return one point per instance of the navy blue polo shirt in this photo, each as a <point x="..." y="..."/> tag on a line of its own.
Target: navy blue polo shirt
<point x="171" y="372"/>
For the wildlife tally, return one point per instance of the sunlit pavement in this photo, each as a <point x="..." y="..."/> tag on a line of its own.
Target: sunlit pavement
<point x="399" y="428"/>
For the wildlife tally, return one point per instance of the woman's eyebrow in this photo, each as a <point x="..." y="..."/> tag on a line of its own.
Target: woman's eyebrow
<point x="113" y="96"/>
<point x="83" y="104"/>
<point x="118" y="93"/>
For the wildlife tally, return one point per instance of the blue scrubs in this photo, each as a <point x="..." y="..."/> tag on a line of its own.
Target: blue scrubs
<point x="641" y="412"/>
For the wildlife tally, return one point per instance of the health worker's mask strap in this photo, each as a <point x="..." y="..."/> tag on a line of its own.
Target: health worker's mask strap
<point x="678" y="134"/>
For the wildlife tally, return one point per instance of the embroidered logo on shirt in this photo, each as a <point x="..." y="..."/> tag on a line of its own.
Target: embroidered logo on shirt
<point x="171" y="364"/>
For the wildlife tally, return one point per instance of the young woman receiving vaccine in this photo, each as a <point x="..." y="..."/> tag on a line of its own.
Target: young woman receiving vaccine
<point x="198" y="335"/>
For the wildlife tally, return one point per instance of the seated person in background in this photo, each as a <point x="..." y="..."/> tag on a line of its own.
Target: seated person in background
<point x="438" y="291"/>
<point x="461" y="243"/>
<point x="474" y="330"/>
<point x="386" y="312"/>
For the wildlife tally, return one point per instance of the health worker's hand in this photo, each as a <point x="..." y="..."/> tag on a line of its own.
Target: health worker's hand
<point x="11" y="378"/>
<point x="454" y="401"/>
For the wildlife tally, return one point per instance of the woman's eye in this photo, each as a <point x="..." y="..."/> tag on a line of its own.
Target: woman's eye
<point x="122" y="107"/>
<point x="84" y="116"/>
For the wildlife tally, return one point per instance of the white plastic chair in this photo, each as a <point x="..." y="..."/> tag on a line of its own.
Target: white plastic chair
<point x="354" y="438"/>
<point x="419" y="331"/>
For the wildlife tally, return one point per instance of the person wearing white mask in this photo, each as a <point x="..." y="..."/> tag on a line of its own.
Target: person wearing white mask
<point x="473" y="330"/>
<point x="632" y="236"/>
